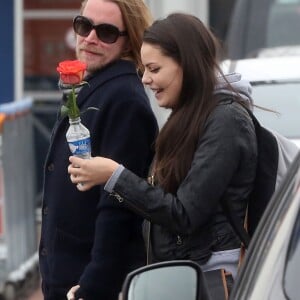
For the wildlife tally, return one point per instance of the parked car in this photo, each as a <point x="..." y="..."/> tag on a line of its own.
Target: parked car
<point x="258" y="24"/>
<point x="276" y="87"/>
<point x="271" y="269"/>
<point x="170" y="280"/>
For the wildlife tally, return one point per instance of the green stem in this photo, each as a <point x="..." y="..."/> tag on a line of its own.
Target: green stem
<point x="73" y="110"/>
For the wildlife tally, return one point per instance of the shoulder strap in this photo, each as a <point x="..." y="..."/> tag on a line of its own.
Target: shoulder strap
<point x="236" y="224"/>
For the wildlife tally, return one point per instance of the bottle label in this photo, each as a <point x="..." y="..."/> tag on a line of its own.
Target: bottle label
<point x="81" y="148"/>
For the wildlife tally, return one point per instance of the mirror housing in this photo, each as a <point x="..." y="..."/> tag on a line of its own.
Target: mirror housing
<point x="170" y="280"/>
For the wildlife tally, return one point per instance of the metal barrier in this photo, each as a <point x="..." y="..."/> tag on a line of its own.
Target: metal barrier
<point x="18" y="233"/>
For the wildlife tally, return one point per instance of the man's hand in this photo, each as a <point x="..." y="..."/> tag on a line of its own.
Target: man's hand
<point x="71" y="292"/>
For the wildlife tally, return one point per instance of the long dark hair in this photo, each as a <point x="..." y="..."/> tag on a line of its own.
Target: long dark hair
<point x="186" y="39"/>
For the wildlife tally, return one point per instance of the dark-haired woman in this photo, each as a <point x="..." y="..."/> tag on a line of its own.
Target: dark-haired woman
<point x="206" y="152"/>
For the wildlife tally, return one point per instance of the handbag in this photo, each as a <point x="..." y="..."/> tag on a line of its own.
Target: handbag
<point x="219" y="283"/>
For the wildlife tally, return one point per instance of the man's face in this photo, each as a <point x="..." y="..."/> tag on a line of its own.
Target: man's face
<point x="90" y="49"/>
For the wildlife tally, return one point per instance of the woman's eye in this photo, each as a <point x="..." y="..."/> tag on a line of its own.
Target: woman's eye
<point x="155" y="70"/>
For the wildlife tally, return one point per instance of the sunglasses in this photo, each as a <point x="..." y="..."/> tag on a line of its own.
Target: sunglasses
<point x="107" y="33"/>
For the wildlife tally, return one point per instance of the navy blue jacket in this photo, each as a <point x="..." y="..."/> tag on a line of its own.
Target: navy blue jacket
<point x="87" y="237"/>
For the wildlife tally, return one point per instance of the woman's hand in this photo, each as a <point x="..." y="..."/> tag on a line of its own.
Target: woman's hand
<point x="86" y="173"/>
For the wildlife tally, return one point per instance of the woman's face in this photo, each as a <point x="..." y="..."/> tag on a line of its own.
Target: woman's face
<point x="163" y="75"/>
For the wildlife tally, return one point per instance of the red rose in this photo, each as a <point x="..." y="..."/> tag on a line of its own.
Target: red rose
<point x="71" y="71"/>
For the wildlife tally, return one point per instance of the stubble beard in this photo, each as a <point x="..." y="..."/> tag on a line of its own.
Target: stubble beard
<point x="91" y="67"/>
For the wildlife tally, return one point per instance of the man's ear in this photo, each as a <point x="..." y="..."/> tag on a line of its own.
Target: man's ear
<point x="127" y="48"/>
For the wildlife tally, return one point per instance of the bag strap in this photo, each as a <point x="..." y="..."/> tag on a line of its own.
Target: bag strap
<point x="150" y="180"/>
<point x="243" y="247"/>
<point x="236" y="224"/>
<point x="219" y="283"/>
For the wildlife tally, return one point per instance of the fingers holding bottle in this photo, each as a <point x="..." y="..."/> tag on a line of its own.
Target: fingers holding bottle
<point x="86" y="173"/>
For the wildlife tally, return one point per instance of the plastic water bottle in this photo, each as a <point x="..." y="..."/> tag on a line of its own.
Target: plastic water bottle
<point x="78" y="138"/>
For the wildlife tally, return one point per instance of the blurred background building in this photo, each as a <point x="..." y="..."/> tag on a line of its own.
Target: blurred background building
<point x="38" y="34"/>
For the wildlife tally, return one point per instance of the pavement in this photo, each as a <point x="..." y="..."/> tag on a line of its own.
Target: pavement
<point x="30" y="292"/>
<point x="35" y="295"/>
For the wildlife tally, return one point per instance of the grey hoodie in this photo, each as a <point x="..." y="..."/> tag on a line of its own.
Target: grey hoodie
<point x="242" y="87"/>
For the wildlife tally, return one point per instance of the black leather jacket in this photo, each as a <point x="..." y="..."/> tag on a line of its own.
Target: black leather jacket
<point x="191" y="224"/>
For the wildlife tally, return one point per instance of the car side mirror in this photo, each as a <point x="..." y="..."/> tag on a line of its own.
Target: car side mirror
<point x="171" y="280"/>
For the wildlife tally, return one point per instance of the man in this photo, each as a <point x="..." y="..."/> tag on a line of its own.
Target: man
<point x="88" y="239"/>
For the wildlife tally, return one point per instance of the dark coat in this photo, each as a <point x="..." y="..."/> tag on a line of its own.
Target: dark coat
<point x="191" y="224"/>
<point x="87" y="237"/>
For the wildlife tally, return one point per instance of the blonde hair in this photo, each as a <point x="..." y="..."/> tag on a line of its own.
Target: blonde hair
<point x="137" y="18"/>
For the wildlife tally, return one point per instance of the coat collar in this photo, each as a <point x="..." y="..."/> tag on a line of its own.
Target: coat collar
<point x="113" y="70"/>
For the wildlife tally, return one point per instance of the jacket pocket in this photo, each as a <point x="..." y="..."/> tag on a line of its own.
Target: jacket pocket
<point x="163" y="243"/>
<point x="69" y="258"/>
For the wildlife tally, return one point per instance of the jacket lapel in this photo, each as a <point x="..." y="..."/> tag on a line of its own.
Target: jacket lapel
<point x="111" y="71"/>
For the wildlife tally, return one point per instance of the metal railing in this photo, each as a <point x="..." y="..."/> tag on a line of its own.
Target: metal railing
<point x="18" y="230"/>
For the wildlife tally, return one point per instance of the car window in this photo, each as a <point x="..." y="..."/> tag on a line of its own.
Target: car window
<point x="284" y="99"/>
<point x="283" y="24"/>
<point x="259" y="24"/>
<point x="292" y="271"/>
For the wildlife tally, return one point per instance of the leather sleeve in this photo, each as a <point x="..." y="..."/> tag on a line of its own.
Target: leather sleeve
<point x="229" y="134"/>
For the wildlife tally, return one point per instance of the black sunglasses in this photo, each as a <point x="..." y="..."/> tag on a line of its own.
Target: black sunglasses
<point x="107" y="33"/>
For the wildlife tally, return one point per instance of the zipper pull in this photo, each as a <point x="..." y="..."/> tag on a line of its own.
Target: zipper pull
<point x="119" y="198"/>
<point x="179" y="240"/>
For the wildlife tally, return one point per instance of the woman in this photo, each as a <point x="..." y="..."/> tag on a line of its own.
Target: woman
<point x="206" y="152"/>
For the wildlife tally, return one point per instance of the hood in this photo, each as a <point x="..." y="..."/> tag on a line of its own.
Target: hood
<point x="242" y="87"/>
<point x="296" y="141"/>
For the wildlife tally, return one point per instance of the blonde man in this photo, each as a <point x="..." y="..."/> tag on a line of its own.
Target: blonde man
<point x="88" y="240"/>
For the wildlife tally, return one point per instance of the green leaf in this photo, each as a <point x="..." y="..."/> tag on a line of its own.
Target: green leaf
<point x="70" y="108"/>
<point x="64" y="110"/>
